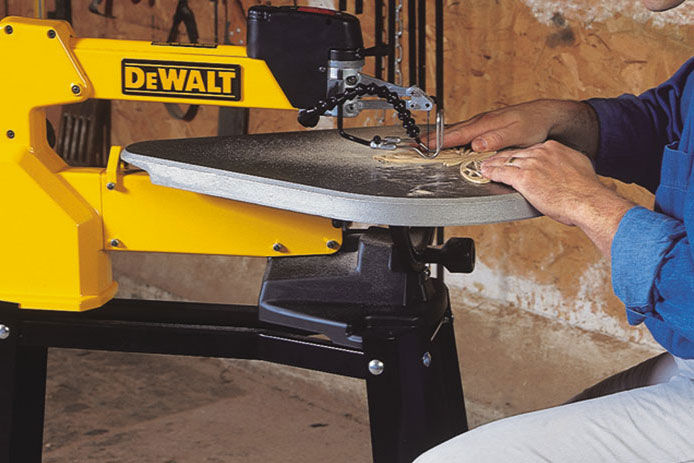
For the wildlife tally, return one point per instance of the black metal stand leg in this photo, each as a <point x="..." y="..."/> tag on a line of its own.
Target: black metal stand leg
<point x="450" y="408"/>
<point x="416" y="401"/>
<point x="22" y="399"/>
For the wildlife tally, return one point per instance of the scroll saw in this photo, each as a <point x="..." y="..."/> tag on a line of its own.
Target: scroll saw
<point x="89" y="210"/>
<point x="284" y="196"/>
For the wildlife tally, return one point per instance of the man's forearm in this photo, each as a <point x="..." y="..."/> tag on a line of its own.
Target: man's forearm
<point x="599" y="216"/>
<point x="575" y="125"/>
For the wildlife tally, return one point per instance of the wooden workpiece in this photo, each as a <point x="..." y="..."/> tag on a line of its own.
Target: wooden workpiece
<point x="469" y="161"/>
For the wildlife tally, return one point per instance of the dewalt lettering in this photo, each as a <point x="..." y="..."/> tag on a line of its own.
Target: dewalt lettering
<point x="179" y="79"/>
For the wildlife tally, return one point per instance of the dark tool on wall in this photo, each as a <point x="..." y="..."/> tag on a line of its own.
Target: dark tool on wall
<point x="63" y="10"/>
<point x="183" y="14"/>
<point x="358" y="6"/>
<point x="108" y="8"/>
<point x="231" y="121"/>
<point x="227" y="24"/>
<point x="216" y="20"/>
<point x="84" y="133"/>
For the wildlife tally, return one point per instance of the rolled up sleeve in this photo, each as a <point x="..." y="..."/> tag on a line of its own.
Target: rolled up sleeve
<point x="652" y="269"/>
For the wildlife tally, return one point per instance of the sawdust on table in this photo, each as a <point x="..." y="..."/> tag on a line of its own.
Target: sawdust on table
<point x="469" y="161"/>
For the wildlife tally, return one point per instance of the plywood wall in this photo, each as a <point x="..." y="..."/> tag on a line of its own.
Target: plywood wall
<point x="505" y="52"/>
<point x="497" y="53"/>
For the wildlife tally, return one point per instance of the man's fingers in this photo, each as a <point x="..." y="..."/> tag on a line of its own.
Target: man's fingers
<point x="464" y="132"/>
<point x="516" y="158"/>
<point x="456" y="137"/>
<point x="459" y="136"/>
<point x="488" y="133"/>
<point x="490" y="141"/>
<point x="496" y="161"/>
<point x="499" y="138"/>
<point x="502" y="174"/>
<point x="451" y="137"/>
<point x="505" y="161"/>
<point x="491" y="132"/>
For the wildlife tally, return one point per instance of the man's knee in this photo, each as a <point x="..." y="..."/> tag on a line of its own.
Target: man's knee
<point x="493" y="442"/>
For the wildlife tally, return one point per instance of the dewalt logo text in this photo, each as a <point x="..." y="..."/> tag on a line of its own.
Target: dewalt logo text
<point x="180" y="79"/>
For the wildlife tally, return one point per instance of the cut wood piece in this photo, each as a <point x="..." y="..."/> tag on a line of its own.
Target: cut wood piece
<point x="450" y="157"/>
<point x="470" y="169"/>
<point x="469" y="161"/>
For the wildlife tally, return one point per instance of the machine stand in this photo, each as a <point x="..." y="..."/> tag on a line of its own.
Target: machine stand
<point x="412" y="406"/>
<point x="22" y="397"/>
<point x="389" y="323"/>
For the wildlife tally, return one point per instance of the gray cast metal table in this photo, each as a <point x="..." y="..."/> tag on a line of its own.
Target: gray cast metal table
<point x="321" y="173"/>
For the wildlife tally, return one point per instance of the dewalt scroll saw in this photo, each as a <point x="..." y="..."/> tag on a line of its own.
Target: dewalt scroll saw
<point x="287" y="196"/>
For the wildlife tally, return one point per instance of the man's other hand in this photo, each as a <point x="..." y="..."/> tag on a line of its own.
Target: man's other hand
<point x="561" y="183"/>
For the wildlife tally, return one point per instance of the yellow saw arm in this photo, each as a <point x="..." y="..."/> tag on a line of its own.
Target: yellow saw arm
<point x="58" y="221"/>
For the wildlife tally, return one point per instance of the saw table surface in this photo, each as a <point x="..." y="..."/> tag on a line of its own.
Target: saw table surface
<point x="320" y="173"/>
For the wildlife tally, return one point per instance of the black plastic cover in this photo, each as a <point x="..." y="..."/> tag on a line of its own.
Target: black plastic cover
<point x="365" y="284"/>
<point x="296" y="42"/>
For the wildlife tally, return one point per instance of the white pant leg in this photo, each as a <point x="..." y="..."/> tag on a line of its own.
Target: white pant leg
<point x="651" y="424"/>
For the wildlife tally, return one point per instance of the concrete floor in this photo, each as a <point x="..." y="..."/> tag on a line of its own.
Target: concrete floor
<point x="106" y="407"/>
<point x="110" y="407"/>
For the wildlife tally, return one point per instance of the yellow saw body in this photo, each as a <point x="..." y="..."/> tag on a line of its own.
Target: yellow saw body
<point x="58" y="222"/>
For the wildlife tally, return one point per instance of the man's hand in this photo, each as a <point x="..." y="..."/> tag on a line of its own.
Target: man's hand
<point x="555" y="176"/>
<point x="571" y="122"/>
<point x="561" y="183"/>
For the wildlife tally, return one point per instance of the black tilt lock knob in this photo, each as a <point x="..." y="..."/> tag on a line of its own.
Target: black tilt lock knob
<point x="457" y="255"/>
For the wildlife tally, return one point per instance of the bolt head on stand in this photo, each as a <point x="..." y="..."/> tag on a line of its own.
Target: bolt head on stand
<point x="4" y="332"/>
<point x="376" y="367"/>
<point x="426" y="359"/>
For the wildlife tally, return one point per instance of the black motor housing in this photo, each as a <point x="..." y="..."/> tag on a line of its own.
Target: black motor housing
<point x="295" y="42"/>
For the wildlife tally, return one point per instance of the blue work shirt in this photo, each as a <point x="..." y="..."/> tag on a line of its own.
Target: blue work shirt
<point x="649" y="140"/>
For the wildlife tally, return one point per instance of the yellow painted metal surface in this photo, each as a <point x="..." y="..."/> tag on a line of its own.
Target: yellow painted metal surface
<point x="59" y="221"/>
<point x="103" y="60"/>
<point x="141" y="216"/>
<point x="50" y="241"/>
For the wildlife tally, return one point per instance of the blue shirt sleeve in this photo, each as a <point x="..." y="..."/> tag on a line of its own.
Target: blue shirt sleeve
<point x="653" y="270"/>
<point x="652" y="260"/>
<point x="634" y="130"/>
